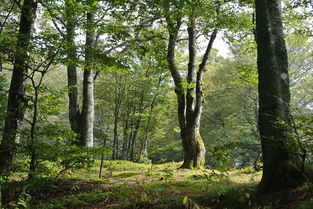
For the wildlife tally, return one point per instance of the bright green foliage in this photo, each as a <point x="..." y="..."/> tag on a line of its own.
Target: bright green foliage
<point x="230" y="113"/>
<point x="134" y="87"/>
<point x="300" y="51"/>
<point x="74" y="200"/>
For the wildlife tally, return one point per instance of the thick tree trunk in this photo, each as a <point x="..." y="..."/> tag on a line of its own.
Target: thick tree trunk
<point x="87" y="116"/>
<point x="74" y="111"/>
<point x="194" y="148"/>
<point x="281" y="153"/>
<point x="16" y="100"/>
<point x="189" y="104"/>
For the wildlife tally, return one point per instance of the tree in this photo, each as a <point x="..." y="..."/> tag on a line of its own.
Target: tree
<point x="283" y="165"/>
<point x="190" y="95"/>
<point x="87" y="114"/>
<point x="16" y="100"/>
<point x="74" y="110"/>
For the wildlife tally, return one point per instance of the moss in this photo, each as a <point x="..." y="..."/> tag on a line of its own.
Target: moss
<point x="127" y="174"/>
<point x="305" y="205"/>
<point x="134" y="184"/>
<point x="72" y="201"/>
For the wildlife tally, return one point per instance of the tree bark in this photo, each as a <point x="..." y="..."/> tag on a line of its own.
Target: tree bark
<point x="16" y="100"/>
<point x="189" y="103"/>
<point x="87" y="115"/>
<point x="136" y="128"/>
<point x="125" y="133"/>
<point x="102" y="159"/>
<point x="281" y="153"/>
<point x="74" y="111"/>
<point x="33" y="161"/>
<point x="115" y="136"/>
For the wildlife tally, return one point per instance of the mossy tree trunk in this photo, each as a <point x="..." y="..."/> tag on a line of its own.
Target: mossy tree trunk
<point x="281" y="153"/>
<point x="189" y="97"/>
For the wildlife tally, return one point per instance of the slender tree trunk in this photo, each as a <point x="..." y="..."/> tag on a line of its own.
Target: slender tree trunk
<point x="133" y="141"/>
<point x="128" y="150"/>
<point x="137" y="125"/>
<point x="74" y="111"/>
<point x="281" y="153"/>
<point x="130" y="137"/>
<point x="16" y="100"/>
<point x="87" y="115"/>
<point x="125" y="136"/>
<point x="33" y="160"/>
<point x="102" y="159"/>
<point x="115" y="137"/>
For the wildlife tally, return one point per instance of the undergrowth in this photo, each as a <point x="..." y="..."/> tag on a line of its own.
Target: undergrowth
<point x="132" y="185"/>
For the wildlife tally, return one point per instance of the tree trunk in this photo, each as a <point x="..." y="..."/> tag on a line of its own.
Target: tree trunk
<point x="102" y="159"/>
<point x="125" y="136"/>
<point x="74" y="111"/>
<point x="281" y="153"/>
<point x="134" y="126"/>
<point x="16" y="100"/>
<point x="87" y="116"/>
<point x="115" y="137"/>
<point x="33" y="161"/>
<point x="189" y="103"/>
<point x="137" y="126"/>
<point x="130" y="137"/>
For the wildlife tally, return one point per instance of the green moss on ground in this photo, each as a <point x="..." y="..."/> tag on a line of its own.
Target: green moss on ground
<point x="132" y="185"/>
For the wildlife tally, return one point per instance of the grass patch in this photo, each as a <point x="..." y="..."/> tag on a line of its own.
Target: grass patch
<point x="72" y="201"/>
<point x="305" y="205"/>
<point x="126" y="174"/>
<point x="133" y="185"/>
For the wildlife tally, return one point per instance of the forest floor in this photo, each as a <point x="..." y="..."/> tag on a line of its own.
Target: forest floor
<point x="131" y="185"/>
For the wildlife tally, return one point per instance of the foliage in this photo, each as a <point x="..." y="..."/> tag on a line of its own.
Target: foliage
<point x="135" y="116"/>
<point x="228" y="121"/>
<point x="21" y="202"/>
<point x="3" y="98"/>
<point x="74" y="200"/>
<point x="168" y="175"/>
<point x="190" y="204"/>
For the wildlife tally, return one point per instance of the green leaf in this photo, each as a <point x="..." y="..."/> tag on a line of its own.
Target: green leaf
<point x="185" y="200"/>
